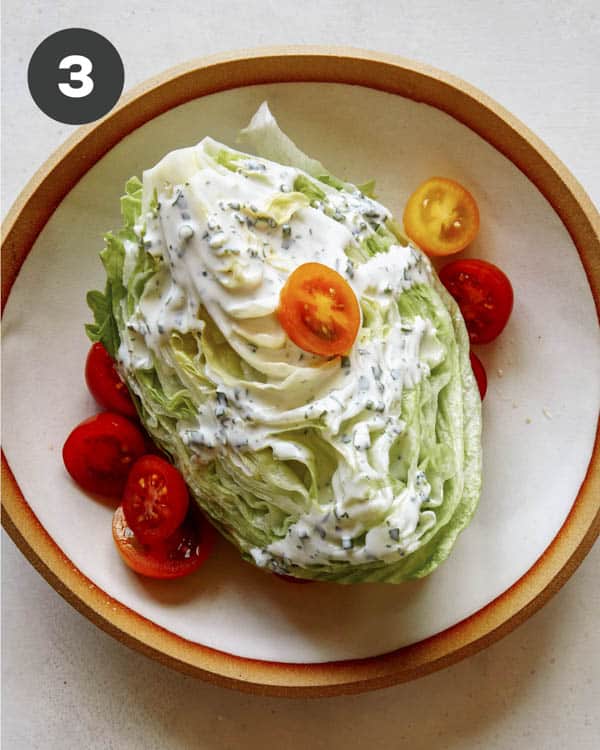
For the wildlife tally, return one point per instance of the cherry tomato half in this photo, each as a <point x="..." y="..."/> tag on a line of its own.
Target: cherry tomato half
<point x="99" y="453"/>
<point x="105" y="383"/>
<point x="180" y="554"/>
<point x="479" y="372"/>
<point x="155" y="499"/>
<point x="484" y="295"/>
<point x="441" y="216"/>
<point x="319" y="311"/>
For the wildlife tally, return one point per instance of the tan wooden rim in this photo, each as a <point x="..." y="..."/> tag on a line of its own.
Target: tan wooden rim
<point x="391" y="74"/>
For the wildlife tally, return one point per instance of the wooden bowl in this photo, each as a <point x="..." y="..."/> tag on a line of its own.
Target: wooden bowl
<point x="364" y="115"/>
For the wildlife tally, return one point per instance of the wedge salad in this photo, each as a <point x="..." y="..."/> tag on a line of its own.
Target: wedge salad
<point x="296" y="358"/>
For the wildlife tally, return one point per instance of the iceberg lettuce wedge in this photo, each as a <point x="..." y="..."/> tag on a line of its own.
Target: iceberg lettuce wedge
<point x="351" y="469"/>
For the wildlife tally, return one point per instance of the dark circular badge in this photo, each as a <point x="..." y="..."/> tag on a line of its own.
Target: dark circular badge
<point x="75" y="76"/>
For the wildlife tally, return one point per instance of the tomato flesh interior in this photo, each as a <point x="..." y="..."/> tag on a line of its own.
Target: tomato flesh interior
<point x="443" y="214"/>
<point x="484" y="295"/>
<point x="108" y="456"/>
<point x="322" y="310"/>
<point x="155" y="500"/>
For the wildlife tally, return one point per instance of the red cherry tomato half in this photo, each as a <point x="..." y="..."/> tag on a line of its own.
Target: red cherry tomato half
<point x="484" y="295"/>
<point x="180" y="554"/>
<point x="155" y="499"/>
<point x="99" y="453"/>
<point x="105" y="383"/>
<point x="479" y="372"/>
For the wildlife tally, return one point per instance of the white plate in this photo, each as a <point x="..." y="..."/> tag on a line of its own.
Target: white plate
<point x="539" y="415"/>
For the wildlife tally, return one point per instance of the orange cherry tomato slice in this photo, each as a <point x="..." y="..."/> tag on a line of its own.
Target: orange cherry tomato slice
<point x="319" y="311"/>
<point x="182" y="553"/>
<point x="441" y="217"/>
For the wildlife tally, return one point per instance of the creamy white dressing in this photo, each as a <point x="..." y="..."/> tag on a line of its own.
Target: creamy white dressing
<point x="227" y="242"/>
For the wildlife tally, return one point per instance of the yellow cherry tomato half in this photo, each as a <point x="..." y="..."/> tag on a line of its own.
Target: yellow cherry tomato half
<point x="319" y="311"/>
<point x="441" y="217"/>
